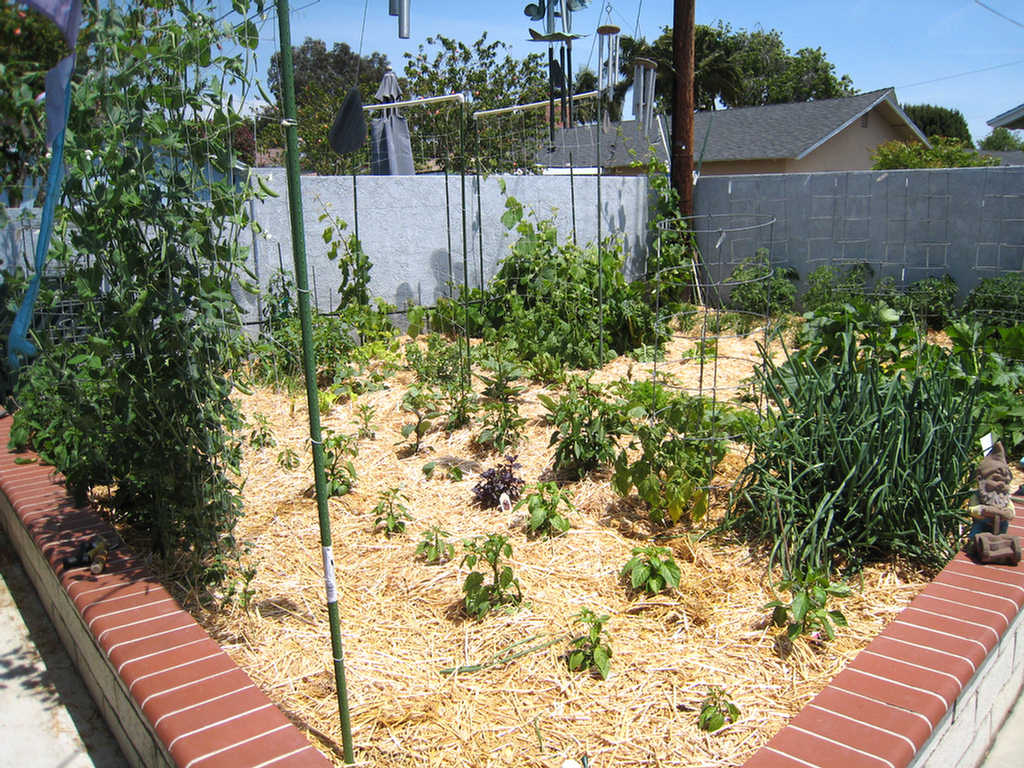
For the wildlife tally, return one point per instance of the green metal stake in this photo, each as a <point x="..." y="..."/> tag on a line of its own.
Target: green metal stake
<point x="309" y="365"/>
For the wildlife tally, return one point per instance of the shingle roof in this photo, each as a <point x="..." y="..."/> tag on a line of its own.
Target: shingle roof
<point x="771" y="132"/>
<point x="1011" y="118"/>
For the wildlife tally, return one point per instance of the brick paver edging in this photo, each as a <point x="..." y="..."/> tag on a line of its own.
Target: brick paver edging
<point x="930" y="690"/>
<point x="169" y="693"/>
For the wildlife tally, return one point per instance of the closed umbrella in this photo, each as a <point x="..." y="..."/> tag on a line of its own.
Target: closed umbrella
<point x="390" y="148"/>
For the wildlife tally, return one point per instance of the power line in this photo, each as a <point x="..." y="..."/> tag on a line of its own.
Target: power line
<point x="990" y="9"/>
<point x="963" y="74"/>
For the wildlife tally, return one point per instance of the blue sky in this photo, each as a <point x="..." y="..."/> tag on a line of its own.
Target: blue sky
<point x="953" y="53"/>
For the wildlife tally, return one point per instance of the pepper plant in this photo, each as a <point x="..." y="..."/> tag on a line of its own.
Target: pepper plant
<point x="480" y="597"/>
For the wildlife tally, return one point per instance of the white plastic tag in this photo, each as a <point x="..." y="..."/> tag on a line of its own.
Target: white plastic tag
<point x="329" y="583"/>
<point x="987" y="444"/>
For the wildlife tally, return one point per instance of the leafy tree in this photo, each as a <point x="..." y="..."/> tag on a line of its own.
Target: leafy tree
<point x="149" y="245"/>
<point x="29" y="45"/>
<point x="322" y="80"/>
<point x="489" y="76"/>
<point x="939" y="121"/>
<point x="769" y="74"/>
<point x="944" y="153"/>
<point x="737" y="69"/>
<point x="1002" y="140"/>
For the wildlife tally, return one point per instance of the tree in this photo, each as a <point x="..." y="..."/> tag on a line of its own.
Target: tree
<point x="944" y="153"/>
<point x="322" y="80"/>
<point x="737" y="69"/>
<point x="1002" y="140"/>
<point x="490" y="77"/>
<point x="769" y="74"/>
<point x="939" y="121"/>
<point x="29" y="46"/>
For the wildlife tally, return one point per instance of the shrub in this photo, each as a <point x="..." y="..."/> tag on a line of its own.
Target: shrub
<point x="998" y="300"/>
<point x="759" y="288"/>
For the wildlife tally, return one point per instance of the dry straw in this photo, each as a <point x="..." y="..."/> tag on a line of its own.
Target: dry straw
<point x="402" y="622"/>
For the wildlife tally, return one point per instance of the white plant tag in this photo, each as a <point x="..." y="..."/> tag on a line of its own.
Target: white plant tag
<point x="329" y="582"/>
<point x="987" y="444"/>
<point x="505" y="503"/>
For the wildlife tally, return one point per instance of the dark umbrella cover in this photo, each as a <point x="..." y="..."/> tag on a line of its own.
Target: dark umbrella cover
<point x="390" y="147"/>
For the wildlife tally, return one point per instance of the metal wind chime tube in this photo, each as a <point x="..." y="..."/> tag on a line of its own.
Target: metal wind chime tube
<point x="644" y="74"/>
<point x="309" y="365"/>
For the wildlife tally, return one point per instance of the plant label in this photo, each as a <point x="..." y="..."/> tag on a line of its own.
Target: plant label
<point x="986" y="443"/>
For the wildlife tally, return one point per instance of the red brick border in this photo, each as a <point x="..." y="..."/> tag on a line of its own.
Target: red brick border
<point x="885" y="705"/>
<point x="198" y="707"/>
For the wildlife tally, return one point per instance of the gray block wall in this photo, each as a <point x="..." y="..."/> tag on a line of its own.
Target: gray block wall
<point x="908" y="224"/>
<point x="410" y="226"/>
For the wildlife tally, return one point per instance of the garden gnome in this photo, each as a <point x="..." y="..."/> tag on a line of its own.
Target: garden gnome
<point x="992" y="511"/>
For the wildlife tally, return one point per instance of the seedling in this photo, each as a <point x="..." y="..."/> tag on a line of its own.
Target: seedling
<point x="391" y="512"/>
<point x="652" y="570"/>
<point x="589" y="650"/>
<point x="480" y="597"/>
<point x="544" y="506"/>
<point x="261" y="435"/>
<point x="340" y="473"/>
<point x="366" y="413"/>
<point x="288" y="459"/>
<point x="434" y="547"/>
<point x="421" y="403"/>
<point x="716" y="710"/>
<point x="806" y="613"/>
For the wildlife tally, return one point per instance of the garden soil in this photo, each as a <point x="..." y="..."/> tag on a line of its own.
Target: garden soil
<point x="403" y="626"/>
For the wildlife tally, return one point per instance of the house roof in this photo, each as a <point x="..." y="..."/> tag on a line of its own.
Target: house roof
<point x="1011" y="118"/>
<point x="771" y="132"/>
<point x="790" y="131"/>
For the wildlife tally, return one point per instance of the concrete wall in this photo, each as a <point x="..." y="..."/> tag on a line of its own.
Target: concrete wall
<point x="968" y="222"/>
<point x="407" y="222"/>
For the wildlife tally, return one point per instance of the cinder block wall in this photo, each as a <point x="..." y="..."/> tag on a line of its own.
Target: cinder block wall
<point x="908" y="225"/>
<point x="411" y="225"/>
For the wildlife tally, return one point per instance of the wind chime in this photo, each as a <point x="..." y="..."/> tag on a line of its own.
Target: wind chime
<point x="560" y="67"/>
<point x="644" y="73"/>
<point x="607" y="68"/>
<point x="400" y="8"/>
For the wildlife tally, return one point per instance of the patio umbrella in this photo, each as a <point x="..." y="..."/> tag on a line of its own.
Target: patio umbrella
<point x="390" y="148"/>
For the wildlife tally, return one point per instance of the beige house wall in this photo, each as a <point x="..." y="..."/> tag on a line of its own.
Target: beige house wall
<point x="849" y="150"/>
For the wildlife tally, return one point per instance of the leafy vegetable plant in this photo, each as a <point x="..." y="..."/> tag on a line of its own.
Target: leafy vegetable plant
<point x="339" y="471"/>
<point x="716" y="710"/>
<point x="421" y="403"/>
<point x="287" y="458"/>
<point x="261" y="436"/>
<point x="590" y="650"/>
<point x="390" y="512"/>
<point x="805" y="613"/>
<point x="366" y="413"/>
<point x="652" y="570"/>
<point x="544" y="507"/>
<point x="586" y="428"/>
<point x="480" y="598"/>
<point x="502" y="422"/>
<point x="499" y="480"/>
<point x="434" y="546"/>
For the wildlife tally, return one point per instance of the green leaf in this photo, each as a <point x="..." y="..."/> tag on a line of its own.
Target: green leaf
<point x="640" y="575"/>
<point x="601" y="661"/>
<point x="576" y="659"/>
<point x="799" y="606"/>
<point x="838" y="618"/>
<point x="780" y="616"/>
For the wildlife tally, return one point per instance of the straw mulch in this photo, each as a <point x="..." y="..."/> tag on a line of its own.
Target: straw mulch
<point x="402" y="621"/>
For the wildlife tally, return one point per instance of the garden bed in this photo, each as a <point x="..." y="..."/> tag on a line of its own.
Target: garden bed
<point x="403" y="624"/>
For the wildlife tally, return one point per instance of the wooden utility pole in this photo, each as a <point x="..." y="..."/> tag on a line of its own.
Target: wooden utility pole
<point x="682" y="104"/>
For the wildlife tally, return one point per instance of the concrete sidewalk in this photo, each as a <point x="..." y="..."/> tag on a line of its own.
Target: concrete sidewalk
<point x="47" y="718"/>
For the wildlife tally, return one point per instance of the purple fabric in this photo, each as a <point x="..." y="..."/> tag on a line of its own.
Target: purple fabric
<point x="66" y="14"/>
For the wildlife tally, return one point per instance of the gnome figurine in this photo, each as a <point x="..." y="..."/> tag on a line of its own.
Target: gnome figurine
<point x="992" y="511"/>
